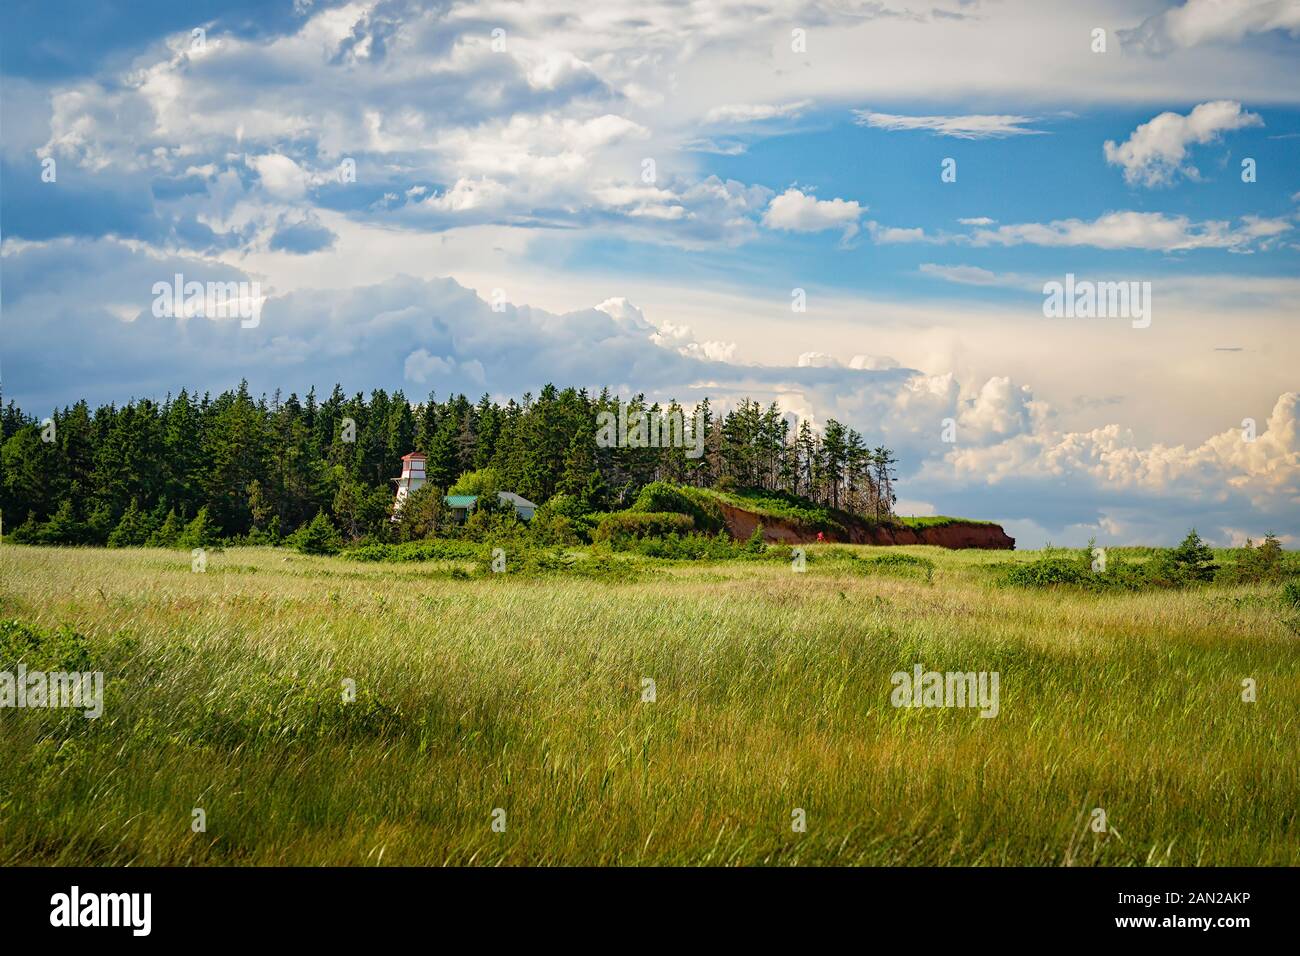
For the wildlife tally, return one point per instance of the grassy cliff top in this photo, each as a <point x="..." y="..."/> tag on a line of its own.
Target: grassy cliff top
<point x="936" y="521"/>
<point x="776" y="504"/>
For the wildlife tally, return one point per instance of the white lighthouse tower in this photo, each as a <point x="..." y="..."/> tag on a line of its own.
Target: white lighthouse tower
<point x="412" y="478"/>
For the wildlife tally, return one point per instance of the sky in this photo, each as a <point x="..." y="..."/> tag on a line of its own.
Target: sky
<point x="855" y="209"/>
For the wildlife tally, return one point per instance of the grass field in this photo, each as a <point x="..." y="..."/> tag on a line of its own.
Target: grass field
<point x="223" y="693"/>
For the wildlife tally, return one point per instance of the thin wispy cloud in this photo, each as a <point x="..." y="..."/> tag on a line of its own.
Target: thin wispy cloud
<point x="971" y="275"/>
<point x="1139" y="230"/>
<point x="719" y="147"/>
<point x="970" y="126"/>
<point x="753" y="112"/>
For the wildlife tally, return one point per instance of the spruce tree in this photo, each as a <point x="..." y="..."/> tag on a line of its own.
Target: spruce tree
<point x="133" y="528"/>
<point x="199" y="533"/>
<point x="168" y="533"/>
<point x="317" y="537"/>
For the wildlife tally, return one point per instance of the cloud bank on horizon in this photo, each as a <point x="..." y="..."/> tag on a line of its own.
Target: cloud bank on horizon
<point x="851" y="209"/>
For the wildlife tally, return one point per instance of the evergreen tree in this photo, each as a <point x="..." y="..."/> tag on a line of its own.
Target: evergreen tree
<point x="29" y="532"/>
<point x="183" y="454"/>
<point x="347" y="508"/>
<point x="168" y="533"/>
<point x="77" y="439"/>
<point x="580" y="460"/>
<point x="400" y="436"/>
<point x="199" y="533"/>
<point x="883" y="461"/>
<point x="29" y="466"/>
<point x="443" y="465"/>
<point x="132" y="529"/>
<point x="1192" y="560"/>
<point x="99" y="525"/>
<point x="318" y="537"/>
<point x="426" y="424"/>
<point x="63" y="528"/>
<point x="487" y="423"/>
<point x="834" y="452"/>
<point x="235" y="448"/>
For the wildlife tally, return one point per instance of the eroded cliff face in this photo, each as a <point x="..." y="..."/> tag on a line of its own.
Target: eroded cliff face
<point x="741" y="524"/>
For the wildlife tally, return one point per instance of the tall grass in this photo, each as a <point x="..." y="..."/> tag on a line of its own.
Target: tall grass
<point x="524" y="692"/>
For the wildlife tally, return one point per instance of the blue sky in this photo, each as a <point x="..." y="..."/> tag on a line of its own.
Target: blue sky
<point x="502" y="155"/>
<point x="1013" y="179"/>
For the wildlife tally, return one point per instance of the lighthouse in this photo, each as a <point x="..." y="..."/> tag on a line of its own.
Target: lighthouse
<point x="412" y="478"/>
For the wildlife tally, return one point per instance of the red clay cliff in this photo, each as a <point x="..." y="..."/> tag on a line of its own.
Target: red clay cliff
<point x="959" y="534"/>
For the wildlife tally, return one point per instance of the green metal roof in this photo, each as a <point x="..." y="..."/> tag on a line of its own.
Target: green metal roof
<point x="461" y="501"/>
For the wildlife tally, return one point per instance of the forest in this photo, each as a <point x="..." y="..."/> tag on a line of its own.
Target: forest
<point x="257" y="469"/>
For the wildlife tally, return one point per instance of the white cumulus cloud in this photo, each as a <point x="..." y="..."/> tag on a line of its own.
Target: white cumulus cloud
<point x="1156" y="152"/>
<point x="797" y="211"/>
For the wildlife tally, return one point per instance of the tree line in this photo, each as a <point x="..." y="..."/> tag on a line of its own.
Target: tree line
<point x="263" y="467"/>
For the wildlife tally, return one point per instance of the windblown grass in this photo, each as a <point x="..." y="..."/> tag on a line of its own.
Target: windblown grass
<point x="523" y="692"/>
<point x="918" y="522"/>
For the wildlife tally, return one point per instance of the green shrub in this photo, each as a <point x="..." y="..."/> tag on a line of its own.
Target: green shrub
<point x="1191" y="563"/>
<point x="528" y="561"/>
<point x="1121" y="575"/>
<point x="64" y="528"/>
<point x="1291" y="594"/>
<point x="779" y="552"/>
<point x="899" y="565"/>
<point x="833" y="553"/>
<point x="558" y="523"/>
<point x="432" y="549"/>
<point x="423" y="514"/>
<point x="493" y="520"/>
<point x="661" y="497"/>
<point x="689" y="547"/>
<point x="622" y="526"/>
<point x="1256" y="565"/>
<point x="29" y="532"/>
<point x="318" y="537"/>
<point x="603" y="566"/>
<point x="538" y="562"/>
<point x="484" y="481"/>
<point x="1045" y="572"/>
<point x="372" y="552"/>
<point x="568" y="506"/>
<point x="555" y="531"/>
<point x="62" y="649"/>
